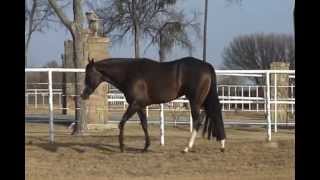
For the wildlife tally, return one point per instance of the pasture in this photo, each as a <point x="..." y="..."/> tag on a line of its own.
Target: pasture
<point x="96" y="155"/>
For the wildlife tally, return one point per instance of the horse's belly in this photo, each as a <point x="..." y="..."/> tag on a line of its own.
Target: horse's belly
<point x="163" y="96"/>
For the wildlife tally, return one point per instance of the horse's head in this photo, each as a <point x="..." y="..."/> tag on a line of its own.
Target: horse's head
<point x="92" y="80"/>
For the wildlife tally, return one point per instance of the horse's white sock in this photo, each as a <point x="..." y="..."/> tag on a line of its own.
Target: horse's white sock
<point x="191" y="141"/>
<point x="222" y="142"/>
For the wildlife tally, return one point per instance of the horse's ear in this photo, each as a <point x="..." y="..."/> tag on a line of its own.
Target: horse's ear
<point x="90" y="61"/>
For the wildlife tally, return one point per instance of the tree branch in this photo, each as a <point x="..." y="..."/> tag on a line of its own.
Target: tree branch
<point x="77" y="11"/>
<point x="64" y="19"/>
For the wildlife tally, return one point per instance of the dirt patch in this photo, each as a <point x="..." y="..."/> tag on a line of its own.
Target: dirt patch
<point x="96" y="155"/>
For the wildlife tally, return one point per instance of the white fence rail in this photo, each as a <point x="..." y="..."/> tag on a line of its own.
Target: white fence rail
<point x="233" y="97"/>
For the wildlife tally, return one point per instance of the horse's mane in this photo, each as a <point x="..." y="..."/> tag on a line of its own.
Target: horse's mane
<point x="124" y="60"/>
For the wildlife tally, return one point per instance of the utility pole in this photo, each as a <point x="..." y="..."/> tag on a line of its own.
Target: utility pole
<point x="205" y="32"/>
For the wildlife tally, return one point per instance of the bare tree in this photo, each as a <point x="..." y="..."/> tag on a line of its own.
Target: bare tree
<point x="77" y="31"/>
<point x="38" y="17"/>
<point x="52" y="64"/>
<point x="172" y="29"/>
<point x="120" y="17"/>
<point x="257" y="51"/>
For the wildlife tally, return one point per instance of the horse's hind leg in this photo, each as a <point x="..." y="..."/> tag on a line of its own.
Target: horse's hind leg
<point x="144" y="124"/>
<point x="126" y="116"/>
<point x="196" y="101"/>
<point x="195" y="112"/>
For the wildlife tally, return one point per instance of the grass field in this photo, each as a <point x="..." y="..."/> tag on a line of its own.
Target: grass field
<point x="96" y="155"/>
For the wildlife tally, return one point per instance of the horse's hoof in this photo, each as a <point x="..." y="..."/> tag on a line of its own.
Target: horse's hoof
<point x="144" y="150"/>
<point x="222" y="149"/>
<point x="121" y="149"/>
<point x="186" y="150"/>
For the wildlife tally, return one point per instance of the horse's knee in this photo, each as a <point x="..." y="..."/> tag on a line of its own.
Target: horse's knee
<point x="121" y="125"/>
<point x="197" y="125"/>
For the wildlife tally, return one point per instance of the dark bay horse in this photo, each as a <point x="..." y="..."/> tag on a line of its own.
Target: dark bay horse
<point x="144" y="82"/>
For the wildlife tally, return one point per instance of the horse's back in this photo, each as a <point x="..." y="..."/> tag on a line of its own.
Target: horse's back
<point x="152" y="82"/>
<point x="192" y="69"/>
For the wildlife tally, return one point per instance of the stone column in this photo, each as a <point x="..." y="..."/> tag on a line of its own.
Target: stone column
<point x="282" y="92"/>
<point x="97" y="105"/>
<point x="95" y="47"/>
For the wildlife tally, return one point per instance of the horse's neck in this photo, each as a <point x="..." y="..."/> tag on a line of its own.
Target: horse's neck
<point x="113" y="74"/>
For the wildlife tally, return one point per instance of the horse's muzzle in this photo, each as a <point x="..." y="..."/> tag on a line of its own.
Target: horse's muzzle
<point x="84" y="97"/>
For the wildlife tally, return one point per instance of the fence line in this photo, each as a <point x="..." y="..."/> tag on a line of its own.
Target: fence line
<point x="266" y="99"/>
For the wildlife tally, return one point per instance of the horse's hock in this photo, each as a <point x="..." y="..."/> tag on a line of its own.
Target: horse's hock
<point x="97" y="105"/>
<point x="282" y="91"/>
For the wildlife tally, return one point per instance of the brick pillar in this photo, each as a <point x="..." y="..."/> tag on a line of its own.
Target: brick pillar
<point x="95" y="47"/>
<point x="282" y="92"/>
<point x="97" y="105"/>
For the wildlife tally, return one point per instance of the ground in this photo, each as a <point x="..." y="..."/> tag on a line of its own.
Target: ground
<point x="96" y="155"/>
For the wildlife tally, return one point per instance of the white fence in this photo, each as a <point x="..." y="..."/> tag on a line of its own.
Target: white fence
<point x="233" y="97"/>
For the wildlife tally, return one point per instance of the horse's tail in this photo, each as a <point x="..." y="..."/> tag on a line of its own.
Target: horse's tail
<point x="213" y="125"/>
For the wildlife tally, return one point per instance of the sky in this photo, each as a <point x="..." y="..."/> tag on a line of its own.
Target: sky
<point x="225" y="22"/>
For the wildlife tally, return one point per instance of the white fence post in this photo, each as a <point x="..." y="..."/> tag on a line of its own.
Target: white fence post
<point x="292" y="98"/>
<point x="250" y="97"/>
<point x="27" y="98"/>
<point x="147" y="111"/>
<point x="42" y="94"/>
<point x="35" y="98"/>
<point x="223" y="98"/>
<point x="191" y="121"/>
<point x="257" y="95"/>
<point x="161" y="125"/>
<point x="60" y="97"/>
<point x="229" y="105"/>
<point x="242" y="106"/>
<point x="275" y="104"/>
<point x="26" y="87"/>
<point x="50" y="107"/>
<point x="268" y="107"/>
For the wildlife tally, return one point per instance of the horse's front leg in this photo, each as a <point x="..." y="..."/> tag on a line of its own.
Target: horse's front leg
<point x="144" y="124"/>
<point x="126" y="116"/>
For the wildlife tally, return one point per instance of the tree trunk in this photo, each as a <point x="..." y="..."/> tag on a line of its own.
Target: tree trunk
<point x="161" y="50"/>
<point x="294" y="16"/>
<point x="26" y="60"/>
<point x="80" y="114"/>
<point x="26" y="49"/>
<point x="136" y="30"/>
<point x="76" y="30"/>
<point x="136" y="41"/>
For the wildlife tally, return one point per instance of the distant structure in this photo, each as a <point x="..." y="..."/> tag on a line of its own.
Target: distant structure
<point x="93" y="21"/>
<point x="95" y="47"/>
<point x="282" y="92"/>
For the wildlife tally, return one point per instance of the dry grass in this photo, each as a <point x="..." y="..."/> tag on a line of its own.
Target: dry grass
<point x="96" y="155"/>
